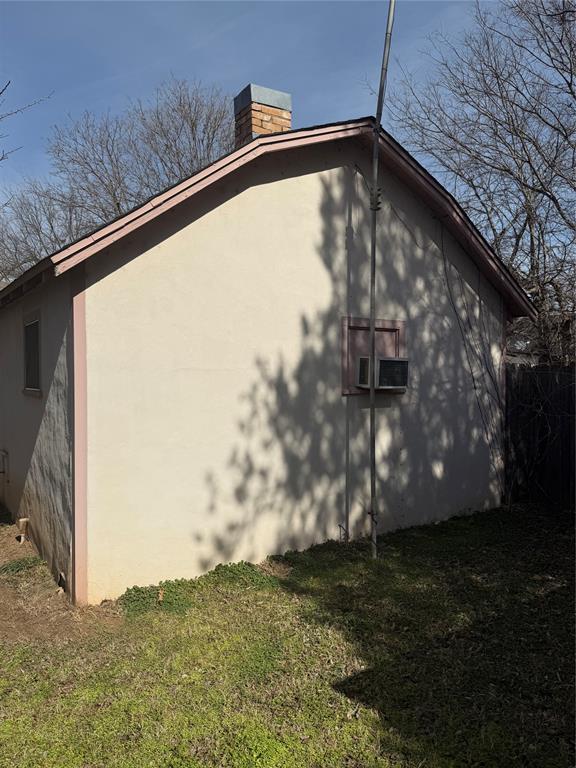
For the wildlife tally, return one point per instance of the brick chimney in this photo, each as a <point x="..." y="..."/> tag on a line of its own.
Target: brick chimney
<point x="259" y="111"/>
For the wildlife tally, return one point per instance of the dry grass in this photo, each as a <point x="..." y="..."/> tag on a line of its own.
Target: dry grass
<point x="32" y="608"/>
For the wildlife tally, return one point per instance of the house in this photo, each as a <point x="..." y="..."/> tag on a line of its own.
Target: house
<point x="187" y="385"/>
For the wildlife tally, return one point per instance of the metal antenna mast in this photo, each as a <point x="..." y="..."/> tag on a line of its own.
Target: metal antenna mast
<point x="374" y="207"/>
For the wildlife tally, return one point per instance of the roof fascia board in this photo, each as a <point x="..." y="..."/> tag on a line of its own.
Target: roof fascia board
<point x="457" y="222"/>
<point x="395" y="156"/>
<point x="25" y="281"/>
<point x="108" y="234"/>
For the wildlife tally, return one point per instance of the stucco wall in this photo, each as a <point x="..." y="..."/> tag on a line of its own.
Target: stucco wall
<point x="36" y="430"/>
<point x="216" y="426"/>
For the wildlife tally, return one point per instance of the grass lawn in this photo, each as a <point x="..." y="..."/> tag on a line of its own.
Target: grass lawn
<point x="454" y="649"/>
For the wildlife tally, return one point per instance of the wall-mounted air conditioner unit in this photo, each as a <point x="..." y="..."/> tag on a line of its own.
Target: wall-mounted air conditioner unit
<point x="391" y="373"/>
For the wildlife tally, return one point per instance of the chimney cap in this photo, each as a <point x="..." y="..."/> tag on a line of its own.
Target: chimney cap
<point x="261" y="95"/>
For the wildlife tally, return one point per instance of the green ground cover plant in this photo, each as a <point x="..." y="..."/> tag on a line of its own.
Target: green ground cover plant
<point x="453" y="649"/>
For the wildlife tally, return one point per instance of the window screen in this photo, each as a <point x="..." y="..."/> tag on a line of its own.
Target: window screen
<point x="32" y="355"/>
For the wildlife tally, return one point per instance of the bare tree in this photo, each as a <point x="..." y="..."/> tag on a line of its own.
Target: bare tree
<point x="10" y="113"/>
<point x="3" y="116"/>
<point x="497" y="123"/>
<point x="105" y="165"/>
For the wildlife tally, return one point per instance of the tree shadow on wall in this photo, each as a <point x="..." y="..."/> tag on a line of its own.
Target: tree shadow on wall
<point x="300" y="464"/>
<point x="462" y="634"/>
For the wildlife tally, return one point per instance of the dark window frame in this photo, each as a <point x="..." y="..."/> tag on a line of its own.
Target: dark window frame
<point x="360" y="381"/>
<point x="32" y="373"/>
<point x="350" y="325"/>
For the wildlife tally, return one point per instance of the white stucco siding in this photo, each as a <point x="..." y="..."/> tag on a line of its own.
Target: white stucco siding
<point x="35" y="431"/>
<point x="216" y="426"/>
<point x="440" y="444"/>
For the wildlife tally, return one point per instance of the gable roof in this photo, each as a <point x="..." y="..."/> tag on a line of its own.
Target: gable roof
<point x="393" y="155"/>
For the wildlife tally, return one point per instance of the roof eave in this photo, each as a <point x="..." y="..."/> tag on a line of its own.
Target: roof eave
<point x="438" y="198"/>
<point x="450" y="211"/>
<point x="84" y="248"/>
<point x="27" y="281"/>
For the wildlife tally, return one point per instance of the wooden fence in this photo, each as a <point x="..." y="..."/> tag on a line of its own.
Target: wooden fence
<point x="540" y="434"/>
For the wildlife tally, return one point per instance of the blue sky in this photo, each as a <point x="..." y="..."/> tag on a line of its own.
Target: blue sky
<point x="97" y="55"/>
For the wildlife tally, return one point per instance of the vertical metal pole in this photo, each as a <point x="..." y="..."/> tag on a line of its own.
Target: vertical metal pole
<point x="374" y="207"/>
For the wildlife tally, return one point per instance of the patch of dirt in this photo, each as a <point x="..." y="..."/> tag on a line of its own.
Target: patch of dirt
<point x="275" y="566"/>
<point x="31" y="605"/>
<point x="10" y="548"/>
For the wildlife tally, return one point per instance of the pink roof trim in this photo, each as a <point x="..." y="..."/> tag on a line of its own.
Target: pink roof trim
<point x="448" y="210"/>
<point x="400" y="161"/>
<point x="109" y="233"/>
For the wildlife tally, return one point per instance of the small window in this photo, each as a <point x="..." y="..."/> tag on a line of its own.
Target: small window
<point x="32" y="355"/>
<point x="356" y="367"/>
<point x="363" y="378"/>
